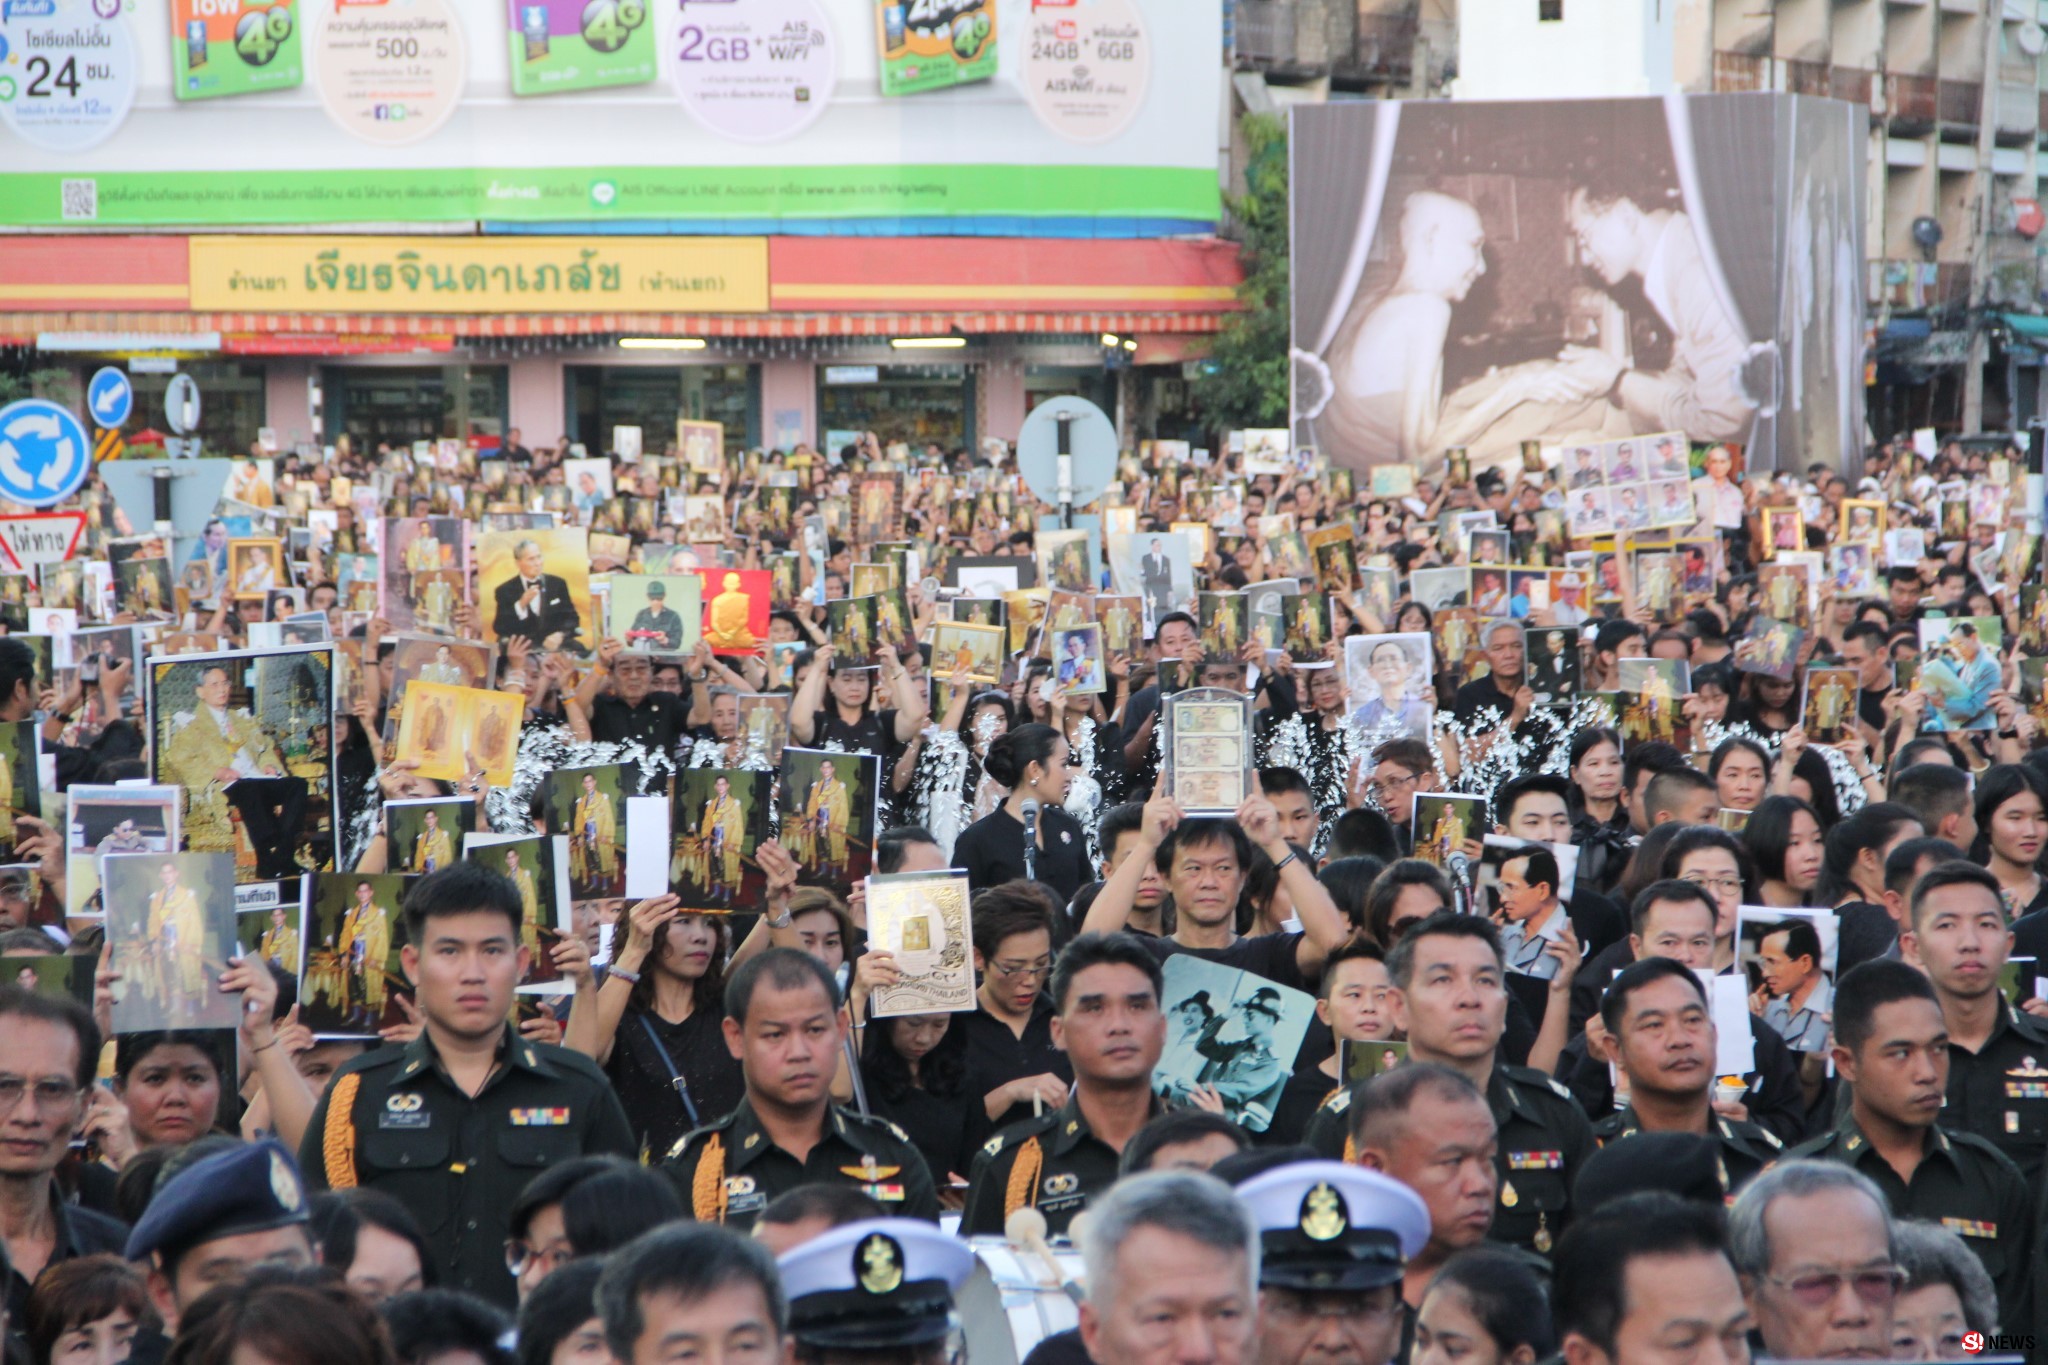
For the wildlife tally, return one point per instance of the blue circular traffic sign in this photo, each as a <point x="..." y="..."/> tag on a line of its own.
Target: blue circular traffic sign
<point x="45" y="452"/>
<point x="109" y="397"/>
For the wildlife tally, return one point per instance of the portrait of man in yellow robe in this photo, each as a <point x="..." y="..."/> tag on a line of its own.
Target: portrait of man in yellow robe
<point x="280" y="942"/>
<point x="826" y="811"/>
<point x="365" y="945"/>
<point x="434" y="849"/>
<point x="721" y="834"/>
<point x="593" y="834"/>
<point x="177" y="926"/>
<point x="529" y="900"/>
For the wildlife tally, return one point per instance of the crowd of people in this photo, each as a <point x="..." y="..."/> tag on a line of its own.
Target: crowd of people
<point x="1631" y="957"/>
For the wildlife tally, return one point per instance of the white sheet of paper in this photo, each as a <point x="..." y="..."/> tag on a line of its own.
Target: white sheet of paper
<point x="1735" y="1050"/>
<point x="647" y="837"/>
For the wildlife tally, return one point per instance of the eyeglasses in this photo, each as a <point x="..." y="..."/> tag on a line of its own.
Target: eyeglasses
<point x="1378" y="790"/>
<point x="1731" y="885"/>
<point x="51" y="1095"/>
<point x="519" y="1256"/>
<point x="1011" y="970"/>
<point x="1817" y="1288"/>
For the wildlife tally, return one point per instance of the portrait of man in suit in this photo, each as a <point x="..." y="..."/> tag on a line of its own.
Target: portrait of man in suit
<point x="536" y="604"/>
<point x="1155" y="575"/>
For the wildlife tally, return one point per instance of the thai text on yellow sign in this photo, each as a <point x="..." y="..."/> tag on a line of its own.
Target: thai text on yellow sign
<point x="479" y="274"/>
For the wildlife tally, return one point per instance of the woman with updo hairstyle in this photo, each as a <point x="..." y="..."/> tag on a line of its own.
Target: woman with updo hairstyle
<point x="1030" y="763"/>
<point x="1484" y="1307"/>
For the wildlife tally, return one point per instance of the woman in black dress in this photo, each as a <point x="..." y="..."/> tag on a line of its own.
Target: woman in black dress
<point x="1030" y="762"/>
<point x="915" y="1067"/>
<point x="664" y="1002"/>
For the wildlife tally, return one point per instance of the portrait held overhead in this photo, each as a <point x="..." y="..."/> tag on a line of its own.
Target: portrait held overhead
<point x="966" y="682"/>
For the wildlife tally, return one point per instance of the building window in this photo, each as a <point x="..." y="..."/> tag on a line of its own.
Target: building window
<point x="1549" y="11"/>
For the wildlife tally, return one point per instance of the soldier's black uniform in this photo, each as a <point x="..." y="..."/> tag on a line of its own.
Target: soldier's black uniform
<point x="2000" y="1091"/>
<point x="1329" y="1132"/>
<point x="1055" y="1162"/>
<point x="1963" y="1183"/>
<point x="1744" y="1148"/>
<point x="1544" y="1138"/>
<point x="728" y="1171"/>
<point x="393" y="1120"/>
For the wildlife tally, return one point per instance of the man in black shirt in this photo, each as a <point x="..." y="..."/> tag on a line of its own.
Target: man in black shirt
<point x="1503" y="692"/>
<point x="633" y="712"/>
<point x="1863" y="649"/>
<point x="1204" y="862"/>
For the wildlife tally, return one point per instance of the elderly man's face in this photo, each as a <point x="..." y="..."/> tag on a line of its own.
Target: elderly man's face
<point x="1830" y="1288"/>
<point x="1175" y="1300"/>
<point x="1782" y="972"/>
<point x="530" y="560"/>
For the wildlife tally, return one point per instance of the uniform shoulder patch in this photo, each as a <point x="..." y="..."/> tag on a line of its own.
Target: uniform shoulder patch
<point x="1557" y="1087"/>
<point x="993" y="1145"/>
<point x="901" y="1136"/>
<point x="1338" y="1102"/>
<point x="695" y="1135"/>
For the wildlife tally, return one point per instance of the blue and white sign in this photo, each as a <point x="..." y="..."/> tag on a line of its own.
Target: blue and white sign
<point x="109" y="397"/>
<point x="45" y="452"/>
<point x="1085" y="471"/>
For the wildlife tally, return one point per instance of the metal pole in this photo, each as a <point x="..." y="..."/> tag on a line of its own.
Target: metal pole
<point x="1980" y="248"/>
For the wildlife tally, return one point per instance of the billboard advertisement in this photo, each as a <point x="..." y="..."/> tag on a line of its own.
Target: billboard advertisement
<point x="1482" y="274"/>
<point x="993" y="117"/>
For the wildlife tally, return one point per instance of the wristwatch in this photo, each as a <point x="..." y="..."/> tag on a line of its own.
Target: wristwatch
<point x="784" y="921"/>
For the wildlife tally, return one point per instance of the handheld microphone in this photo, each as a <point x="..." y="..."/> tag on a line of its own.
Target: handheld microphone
<point x="1460" y="867"/>
<point x="1029" y="807"/>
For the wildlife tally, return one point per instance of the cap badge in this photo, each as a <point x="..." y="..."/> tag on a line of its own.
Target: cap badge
<point x="1322" y="1214"/>
<point x="284" y="1184"/>
<point x="878" y="1264"/>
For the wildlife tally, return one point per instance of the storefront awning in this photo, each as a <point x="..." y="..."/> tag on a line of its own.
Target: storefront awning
<point x="2033" y="326"/>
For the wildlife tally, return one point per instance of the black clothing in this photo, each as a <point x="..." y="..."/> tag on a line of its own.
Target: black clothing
<point x="996" y="1056"/>
<point x="729" y="1170"/>
<point x="873" y="733"/>
<point x="1272" y="956"/>
<point x="1604" y="848"/>
<point x="1065" y="1348"/>
<point x="1867" y="932"/>
<point x="458" y="1162"/>
<point x="554" y="612"/>
<point x="1301" y="1100"/>
<point x="1870" y="706"/>
<point x="1964" y="1184"/>
<point x="646" y="1086"/>
<point x="80" y="1232"/>
<point x="1071" y="1164"/>
<point x="992" y="851"/>
<point x="946" y="1129"/>
<point x="2030" y="929"/>
<point x="1544" y="1142"/>
<point x="656" y="724"/>
<point x="1776" y="1101"/>
<point x="1745" y="1148"/>
<point x="2000" y="1092"/>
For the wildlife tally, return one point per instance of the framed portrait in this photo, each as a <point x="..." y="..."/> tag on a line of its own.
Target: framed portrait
<point x="719" y="816"/>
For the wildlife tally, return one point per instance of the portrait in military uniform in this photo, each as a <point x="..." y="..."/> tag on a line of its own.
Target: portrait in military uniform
<point x="426" y="834"/>
<point x="1789" y="958"/>
<point x="351" y="937"/>
<point x="827" y="802"/>
<point x="538" y="865"/>
<point x="1241" y="1042"/>
<point x="437" y="659"/>
<point x="250" y="737"/>
<point x="1830" y="707"/>
<point x="719" y="818"/>
<point x="588" y="805"/>
<point x="656" y="613"/>
<point x="171" y="929"/>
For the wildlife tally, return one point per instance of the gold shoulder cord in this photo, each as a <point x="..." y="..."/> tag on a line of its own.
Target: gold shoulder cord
<point x="338" y="1141"/>
<point x="1024" y="1172"/>
<point x="1350" y="1152"/>
<point x="707" y="1187"/>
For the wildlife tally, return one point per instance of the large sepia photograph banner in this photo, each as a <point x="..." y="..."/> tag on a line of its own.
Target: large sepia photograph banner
<point x="1482" y="274"/>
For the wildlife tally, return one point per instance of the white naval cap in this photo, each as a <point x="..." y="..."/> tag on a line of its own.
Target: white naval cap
<point x="1328" y="1225"/>
<point x="878" y="1282"/>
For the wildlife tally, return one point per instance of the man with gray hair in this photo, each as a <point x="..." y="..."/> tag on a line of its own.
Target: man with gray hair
<point x="536" y="604"/>
<point x="1813" y="1243"/>
<point x="1173" y="1272"/>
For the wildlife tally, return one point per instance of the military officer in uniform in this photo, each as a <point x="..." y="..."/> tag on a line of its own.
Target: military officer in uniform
<point x="1244" y="1070"/>
<point x="1997" y="1056"/>
<point x="454" y="1124"/>
<point x="783" y="1023"/>
<point x="1657" y="1026"/>
<point x="1107" y="1018"/>
<point x="880" y="1289"/>
<point x="1334" y="1243"/>
<point x="1450" y="999"/>
<point x="1891" y="1047"/>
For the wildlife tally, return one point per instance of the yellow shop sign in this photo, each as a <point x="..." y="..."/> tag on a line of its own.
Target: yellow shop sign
<point x="479" y="274"/>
